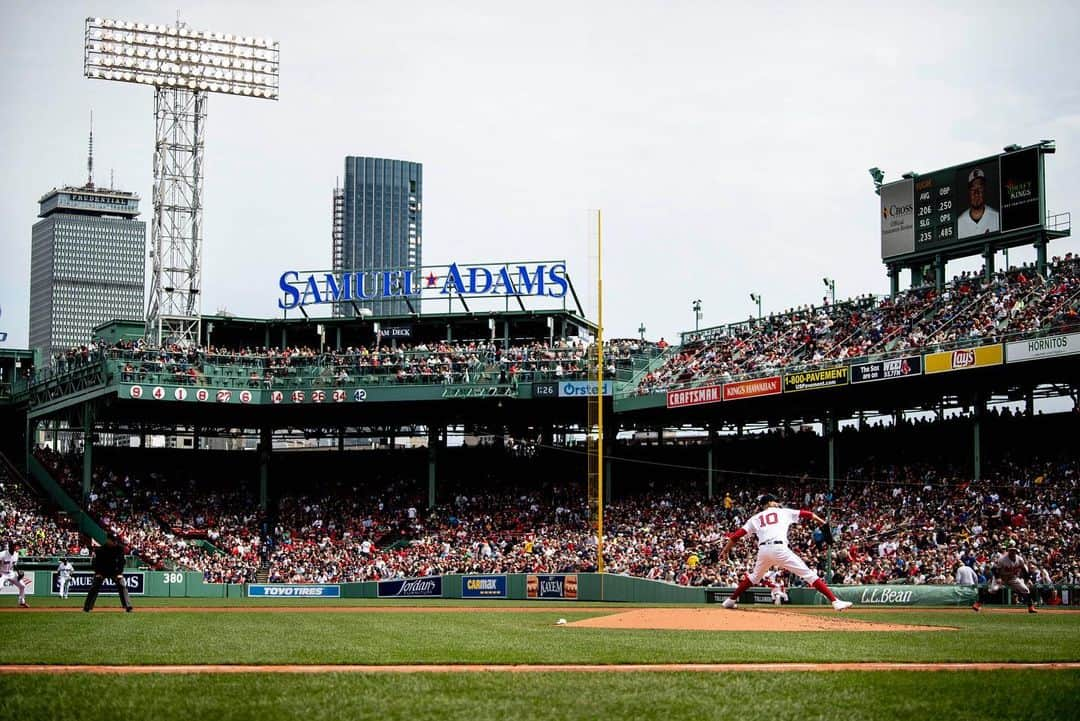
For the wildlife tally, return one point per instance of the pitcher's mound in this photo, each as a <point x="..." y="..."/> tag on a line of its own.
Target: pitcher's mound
<point x="722" y="619"/>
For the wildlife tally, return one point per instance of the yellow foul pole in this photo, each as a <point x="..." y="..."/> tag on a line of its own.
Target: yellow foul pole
<point x="599" y="395"/>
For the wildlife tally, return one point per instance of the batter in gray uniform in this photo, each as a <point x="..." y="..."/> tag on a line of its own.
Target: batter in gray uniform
<point x="1010" y="570"/>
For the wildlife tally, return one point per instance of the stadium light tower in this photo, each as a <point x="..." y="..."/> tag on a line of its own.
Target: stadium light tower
<point x="831" y="285"/>
<point x="183" y="66"/>
<point x="697" y="314"/>
<point x="879" y="177"/>
<point x="756" y="298"/>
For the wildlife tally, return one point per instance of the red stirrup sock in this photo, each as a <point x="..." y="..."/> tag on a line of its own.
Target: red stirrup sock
<point x="825" y="590"/>
<point x="743" y="585"/>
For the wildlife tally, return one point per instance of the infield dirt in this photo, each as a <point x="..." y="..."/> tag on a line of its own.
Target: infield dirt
<point x="710" y="619"/>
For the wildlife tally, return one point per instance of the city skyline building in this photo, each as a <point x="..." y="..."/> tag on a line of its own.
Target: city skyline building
<point x="337" y="235"/>
<point x="87" y="263"/>
<point x="379" y="211"/>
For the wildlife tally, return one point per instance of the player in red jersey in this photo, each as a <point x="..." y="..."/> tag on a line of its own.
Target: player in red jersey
<point x="770" y="526"/>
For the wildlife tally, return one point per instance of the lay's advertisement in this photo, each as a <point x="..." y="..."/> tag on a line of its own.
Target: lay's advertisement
<point x="964" y="359"/>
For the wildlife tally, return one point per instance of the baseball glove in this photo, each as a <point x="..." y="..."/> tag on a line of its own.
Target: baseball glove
<point x="827" y="534"/>
<point x="20" y="575"/>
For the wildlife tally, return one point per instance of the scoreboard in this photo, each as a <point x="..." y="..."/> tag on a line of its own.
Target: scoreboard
<point x="935" y="212"/>
<point x="962" y="205"/>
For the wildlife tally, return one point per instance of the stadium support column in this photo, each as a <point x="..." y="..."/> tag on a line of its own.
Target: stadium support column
<point x="709" y="462"/>
<point x="88" y="450"/>
<point x="988" y="262"/>
<point x="830" y="436"/>
<point x="939" y="272"/>
<point x="709" y="472"/>
<point x="432" y="459"/>
<point x="1040" y="255"/>
<point x="30" y="439"/>
<point x="978" y="410"/>
<point x="894" y="281"/>
<point x="611" y="432"/>
<point x="266" y="444"/>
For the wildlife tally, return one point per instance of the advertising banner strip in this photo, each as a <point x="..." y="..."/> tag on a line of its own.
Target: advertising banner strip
<point x="812" y="380"/>
<point x="887" y="369"/>
<point x="551" y="586"/>
<point x="923" y="595"/>
<point x="751" y="595"/>
<point x="581" y="389"/>
<point x="483" y="586"/>
<point x="768" y="386"/>
<point x="81" y="581"/>
<point x="693" y="396"/>
<point x="426" y="587"/>
<point x="28" y="581"/>
<point x="1051" y="347"/>
<point x="292" y="590"/>
<point x="898" y="218"/>
<point x="964" y="359"/>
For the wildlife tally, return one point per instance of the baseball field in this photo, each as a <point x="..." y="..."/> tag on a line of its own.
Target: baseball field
<point x="258" y="659"/>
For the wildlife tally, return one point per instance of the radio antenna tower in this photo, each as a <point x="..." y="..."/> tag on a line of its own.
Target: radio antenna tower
<point x="90" y="155"/>
<point x="183" y="66"/>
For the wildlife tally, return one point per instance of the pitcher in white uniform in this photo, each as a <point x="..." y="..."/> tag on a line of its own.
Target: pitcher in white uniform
<point x="8" y="559"/>
<point x="770" y="526"/>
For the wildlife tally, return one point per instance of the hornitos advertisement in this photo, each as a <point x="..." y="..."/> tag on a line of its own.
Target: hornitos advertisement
<point x="964" y="359"/>
<point x="1050" y="347"/>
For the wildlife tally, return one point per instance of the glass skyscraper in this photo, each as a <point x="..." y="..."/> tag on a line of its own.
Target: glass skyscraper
<point x="380" y="220"/>
<point x="87" y="265"/>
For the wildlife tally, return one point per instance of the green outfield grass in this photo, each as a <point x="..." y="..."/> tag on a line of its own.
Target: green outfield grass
<point x="496" y="633"/>
<point x="978" y="696"/>
<point x="507" y="637"/>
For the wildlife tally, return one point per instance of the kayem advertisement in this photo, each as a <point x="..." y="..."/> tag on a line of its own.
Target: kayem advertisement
<point x="551" y="586"/>
<point x="964" y="359"/>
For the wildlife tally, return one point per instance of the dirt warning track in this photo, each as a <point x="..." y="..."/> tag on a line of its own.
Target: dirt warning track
<point x="536" y="668"/>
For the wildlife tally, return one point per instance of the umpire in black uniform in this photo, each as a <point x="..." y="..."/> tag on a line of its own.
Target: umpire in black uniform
<point x="108" y="563"/>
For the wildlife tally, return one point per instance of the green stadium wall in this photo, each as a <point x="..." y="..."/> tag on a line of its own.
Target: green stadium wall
<point x="590" y="587"/>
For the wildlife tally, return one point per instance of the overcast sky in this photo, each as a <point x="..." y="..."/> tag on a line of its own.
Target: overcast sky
<point x="728" y="147"/>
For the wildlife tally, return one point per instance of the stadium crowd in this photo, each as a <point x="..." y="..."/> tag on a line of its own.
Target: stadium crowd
<point x="25" y="521"/>
<point x="968" y="310"/>
<point x="896" y="523"/>
<point x="442" y="362"/>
